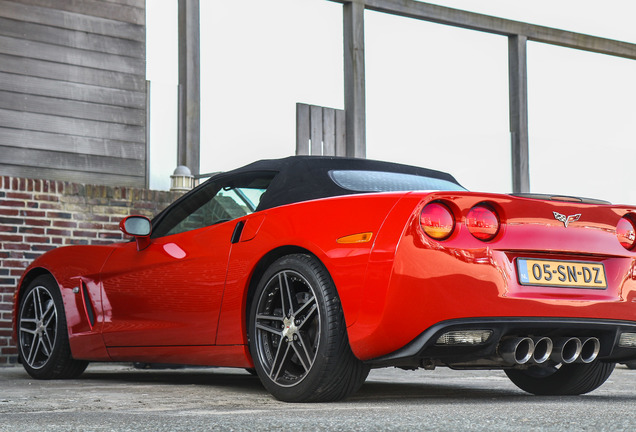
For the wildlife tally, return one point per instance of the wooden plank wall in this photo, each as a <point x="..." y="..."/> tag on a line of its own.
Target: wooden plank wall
<point x="73" y="90"/>
<point x="320" y="131"/>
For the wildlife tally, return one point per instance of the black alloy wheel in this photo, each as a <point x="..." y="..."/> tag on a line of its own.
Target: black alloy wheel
<point x="42" y="334"/>
<point x="298" y="337"/>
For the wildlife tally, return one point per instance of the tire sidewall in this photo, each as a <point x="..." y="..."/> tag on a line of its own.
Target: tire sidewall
<point x="325" y="293"/>
<point x="48" y="283"/>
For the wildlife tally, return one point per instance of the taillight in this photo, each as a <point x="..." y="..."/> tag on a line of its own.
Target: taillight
<point x="482" y="223"/>
<point x="437" y="221"/>
<point x="626" y="233"/>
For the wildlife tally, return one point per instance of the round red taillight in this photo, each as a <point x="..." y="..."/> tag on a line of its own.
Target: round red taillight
<point x="437" y="221"/>
<point x="482" y="223"/>
<point x="626" y="233"/>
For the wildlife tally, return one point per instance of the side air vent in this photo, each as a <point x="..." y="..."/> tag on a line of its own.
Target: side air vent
<point x="87" y="304"/>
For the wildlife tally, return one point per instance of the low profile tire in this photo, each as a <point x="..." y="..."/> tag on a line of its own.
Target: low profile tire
<point x="42" y="333"/>
<point x="298" y="337"/>
<point x="569" y="379"/>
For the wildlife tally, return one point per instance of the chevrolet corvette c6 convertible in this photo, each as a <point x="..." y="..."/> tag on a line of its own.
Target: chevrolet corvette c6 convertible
<point x="312" y="270"/>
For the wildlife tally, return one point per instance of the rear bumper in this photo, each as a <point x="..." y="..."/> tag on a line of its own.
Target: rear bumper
<point x="423" y="351"/>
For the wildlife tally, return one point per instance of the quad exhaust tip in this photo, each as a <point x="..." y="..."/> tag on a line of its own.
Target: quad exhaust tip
<point x="538" y="350"/>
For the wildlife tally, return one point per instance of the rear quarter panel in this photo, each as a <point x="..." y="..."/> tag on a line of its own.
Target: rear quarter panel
<point x="312" y="227"/>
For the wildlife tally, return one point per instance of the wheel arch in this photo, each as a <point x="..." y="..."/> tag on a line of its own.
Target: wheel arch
<point x="263" y="264"/>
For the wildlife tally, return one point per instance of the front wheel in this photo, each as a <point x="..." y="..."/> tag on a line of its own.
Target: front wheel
<point x="42" y="334"/>
<point x="564" y="379"/>
<point x="298" y="336"/>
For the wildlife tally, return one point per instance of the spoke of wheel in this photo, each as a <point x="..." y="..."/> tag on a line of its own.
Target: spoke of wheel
<point x="301" y="349"/>
<point x="29" y="321"/>
<point x="279" y="360"/>
<point x="37" y="301"/>
<point x="286" y="297"/>
<point x="47" y="343"/>
<point x="269" y="328"/>
<point x="35" y="346"/>
<point x="312" y="306"/>
<point x="50" y="310"/>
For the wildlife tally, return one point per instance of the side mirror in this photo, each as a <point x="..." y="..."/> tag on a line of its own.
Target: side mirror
<point x="139" y="227"/>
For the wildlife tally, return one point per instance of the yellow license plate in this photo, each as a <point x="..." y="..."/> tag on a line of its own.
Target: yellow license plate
<point x="554" y="273"/>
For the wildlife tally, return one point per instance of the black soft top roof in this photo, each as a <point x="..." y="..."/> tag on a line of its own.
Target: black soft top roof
<point x="303" y="178"/>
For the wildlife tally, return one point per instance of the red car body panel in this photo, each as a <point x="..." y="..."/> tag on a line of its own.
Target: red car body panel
<point x="423" y="282"/>
<point x="184" y="298"/>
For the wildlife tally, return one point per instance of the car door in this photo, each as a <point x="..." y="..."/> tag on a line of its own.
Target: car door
<point x="169" y="294"/>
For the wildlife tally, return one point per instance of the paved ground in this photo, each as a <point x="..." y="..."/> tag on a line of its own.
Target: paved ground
<point x="119" y="398"/>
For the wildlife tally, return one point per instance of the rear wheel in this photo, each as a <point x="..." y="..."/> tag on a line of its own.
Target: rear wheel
<point x="42" y="333"/>
<point x="564" y="379"/>
<point x="298" y="337"/>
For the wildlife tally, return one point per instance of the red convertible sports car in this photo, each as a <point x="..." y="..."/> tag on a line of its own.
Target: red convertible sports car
<point x="312" y="270"/>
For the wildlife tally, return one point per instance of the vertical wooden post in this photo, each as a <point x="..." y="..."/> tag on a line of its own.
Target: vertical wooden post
<point x="147" y="173"/>
<point x="188" y="151"/>
<point x="354" y="87"/>
<point x="302" y="129"/>
<point x="518" y="81"/>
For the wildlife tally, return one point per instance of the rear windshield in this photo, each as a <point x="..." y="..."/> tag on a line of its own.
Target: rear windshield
<point x="381" y="181"/>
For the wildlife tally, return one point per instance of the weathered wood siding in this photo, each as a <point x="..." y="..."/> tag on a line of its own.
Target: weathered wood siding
<point x="73" y="90"/>
<point x="320" y="131"/>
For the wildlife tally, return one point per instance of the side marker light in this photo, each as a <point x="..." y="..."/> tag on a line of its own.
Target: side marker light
<point x="356" y="238"/>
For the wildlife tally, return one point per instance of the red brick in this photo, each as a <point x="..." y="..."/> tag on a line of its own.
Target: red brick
<point x="64" y="224"/>
<point x="31" y="230"/>
<point x="14" y="264"/>
<point x="75" y="242"/>
<point x="59" y="215"/>
<point x="15" y="246"/>
<point x="111" y="235"/>
<point x="36" y="239"/>
<point x="58" y="232"/>
<point x="42" y="247"/>
<point x="10" y="237"/>
<point x="32" y="213"/>
<point x="90" y="234"/>
<point x="11" y="203"/>
<point x="91" y="225"/>
<point x="9" y="351"/>
<point x="37" y="222"/>
<point x="9" y="212"/>
<point x="20" y="195"/>
<point x="6" y="220"/>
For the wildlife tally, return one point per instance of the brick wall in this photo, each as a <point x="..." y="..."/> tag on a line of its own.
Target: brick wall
<point x="39" y="215"/>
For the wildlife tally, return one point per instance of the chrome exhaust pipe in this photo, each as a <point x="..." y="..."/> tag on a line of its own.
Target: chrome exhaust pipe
<point x="542" y="349"/>
<point x="590" y="348"/>
<point x="566" y="350"/>
<point x="516" y="350"/>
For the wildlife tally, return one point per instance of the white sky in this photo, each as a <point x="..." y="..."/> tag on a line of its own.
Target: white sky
<point x="437" y="96"/>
